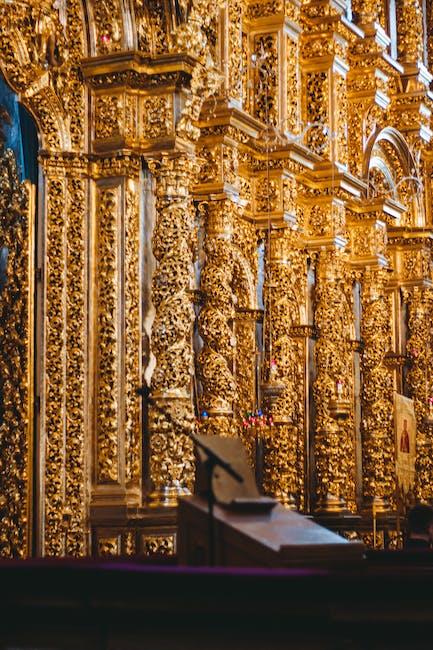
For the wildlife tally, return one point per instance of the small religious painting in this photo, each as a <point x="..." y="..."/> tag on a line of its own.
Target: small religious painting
<point x="405" y="441"/>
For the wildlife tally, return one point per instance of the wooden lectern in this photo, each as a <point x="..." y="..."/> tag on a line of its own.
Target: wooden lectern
<point x="245" y="531"/>
<point x="279" y="538"/>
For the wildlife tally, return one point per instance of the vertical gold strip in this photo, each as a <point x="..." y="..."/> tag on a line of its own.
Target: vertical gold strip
<point x="107" y="384"/>
<point x="75" y="511"/>
<point x="55" y="376"/>
<point x="132" y="337"/>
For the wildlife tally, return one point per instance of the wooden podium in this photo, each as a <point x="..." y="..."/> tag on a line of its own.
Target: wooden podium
<point x="279" y="538"/>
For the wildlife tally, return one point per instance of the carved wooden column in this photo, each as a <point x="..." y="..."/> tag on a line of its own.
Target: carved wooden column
<point x="285" y="291"/>
<point x="333" y="444"/>
<point x="116" y="334"/>
<point x="377" y="393"/>
<point x="419" y="381"/>
<point x="216" y="319"/>
<point x="171" y="455"/>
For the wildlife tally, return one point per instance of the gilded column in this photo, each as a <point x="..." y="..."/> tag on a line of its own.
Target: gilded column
<point x="16" y="358"/>
<point x="285" y="292"/>
<point x="216" y="319"/>
<point x="333" y="444"/>
<point x="377" y="393"/>
<point x="419" y="381"/>
<point x="171" y="456"/>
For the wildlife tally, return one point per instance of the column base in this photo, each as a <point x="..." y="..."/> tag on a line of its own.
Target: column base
<point x="167" y="496"/>
<point x="380" y="505"/>
<point x="331" y="505"/>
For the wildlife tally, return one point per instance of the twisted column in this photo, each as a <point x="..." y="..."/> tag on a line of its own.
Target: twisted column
<point x="333" y="445"/>
<point x="284" y="458"/>
<point x="171" y="456"/>
<point x="419" y="382"/>
<point x="377" y="393"/>
<point x="216" y="319"/>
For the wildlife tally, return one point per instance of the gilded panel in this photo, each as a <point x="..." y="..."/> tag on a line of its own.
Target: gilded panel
<point x="107" y="387"/>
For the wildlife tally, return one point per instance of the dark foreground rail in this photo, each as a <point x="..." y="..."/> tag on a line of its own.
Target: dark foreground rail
<point x="121" y="605"/>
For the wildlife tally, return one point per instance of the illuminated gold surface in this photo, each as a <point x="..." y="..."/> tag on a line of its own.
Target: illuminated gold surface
<point x="256" y="121"/>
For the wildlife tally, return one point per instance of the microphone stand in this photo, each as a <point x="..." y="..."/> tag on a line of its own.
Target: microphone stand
<point x="212" y="460"/>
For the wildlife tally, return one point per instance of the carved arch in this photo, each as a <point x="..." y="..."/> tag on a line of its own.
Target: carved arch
<point x="389" y="155"/>
<point x="49" y="86"/>
<point x="397" y="141"/>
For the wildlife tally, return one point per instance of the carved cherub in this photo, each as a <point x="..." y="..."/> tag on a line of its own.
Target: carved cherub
<point x="48" y="32"/>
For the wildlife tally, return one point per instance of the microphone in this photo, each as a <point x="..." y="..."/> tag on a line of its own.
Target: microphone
<point x="144" y="391"/>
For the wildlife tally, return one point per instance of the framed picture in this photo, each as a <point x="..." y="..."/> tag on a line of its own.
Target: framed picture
<point x="405" y="441"/>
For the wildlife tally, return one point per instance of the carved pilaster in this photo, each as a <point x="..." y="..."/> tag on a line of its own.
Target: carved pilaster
<point x="333" y="444"/>
<point x="117" y="334"/>
<point x="171" y="457"/>
<point x="377" y="393"/>
<point x="216" y="318"/>
<point x="64" y="368"/>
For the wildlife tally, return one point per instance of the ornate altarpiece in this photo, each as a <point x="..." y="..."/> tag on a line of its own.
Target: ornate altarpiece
<point x="176" y="137"/>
